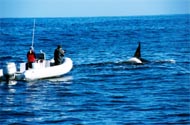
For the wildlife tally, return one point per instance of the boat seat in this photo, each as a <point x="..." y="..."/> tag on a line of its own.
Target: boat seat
<point x="40" y="56"/>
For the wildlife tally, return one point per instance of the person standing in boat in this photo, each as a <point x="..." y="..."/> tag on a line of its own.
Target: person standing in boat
<point x="58" y="55"/>
<point x="31" y="56"/>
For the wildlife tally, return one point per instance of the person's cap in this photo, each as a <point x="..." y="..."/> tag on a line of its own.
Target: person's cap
<point x="59" y="46"/>
<point x="32" y="48"/>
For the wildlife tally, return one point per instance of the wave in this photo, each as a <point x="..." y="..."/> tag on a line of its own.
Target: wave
<point x="165" y="61"/>
<point x="5" y="57"/>
<point x="45" y="39"/>
<point x="125" y="62"/>
<point x="65" y="79"/>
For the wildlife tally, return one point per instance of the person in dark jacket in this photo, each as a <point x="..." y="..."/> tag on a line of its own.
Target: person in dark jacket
<point x="31" y="56"/>
<point x="58" y="55"/>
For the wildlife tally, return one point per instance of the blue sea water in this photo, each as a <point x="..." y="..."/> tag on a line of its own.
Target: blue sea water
<point x="101" y="89"/>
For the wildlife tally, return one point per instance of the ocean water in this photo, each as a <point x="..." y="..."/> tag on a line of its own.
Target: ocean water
<point x="101" y="89"/>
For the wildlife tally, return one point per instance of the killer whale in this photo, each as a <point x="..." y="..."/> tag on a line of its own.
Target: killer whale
<point x="136" y="59"/>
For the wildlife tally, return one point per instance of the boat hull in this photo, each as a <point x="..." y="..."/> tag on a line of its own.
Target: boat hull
<point x="53" y="71"/>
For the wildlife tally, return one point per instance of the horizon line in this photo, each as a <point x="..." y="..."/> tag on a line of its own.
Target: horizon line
<point x="97" y="16"/>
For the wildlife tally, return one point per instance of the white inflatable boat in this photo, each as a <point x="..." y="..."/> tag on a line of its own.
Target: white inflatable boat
<point x="41" y="69"/>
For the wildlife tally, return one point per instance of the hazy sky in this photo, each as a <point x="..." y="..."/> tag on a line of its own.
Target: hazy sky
<point x="83" y="8"/>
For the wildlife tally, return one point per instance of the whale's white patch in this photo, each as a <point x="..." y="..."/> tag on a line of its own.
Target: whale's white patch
<point x="134" y="60"/>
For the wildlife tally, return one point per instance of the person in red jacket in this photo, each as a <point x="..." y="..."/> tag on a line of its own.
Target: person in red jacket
<point x="31" y="56"/>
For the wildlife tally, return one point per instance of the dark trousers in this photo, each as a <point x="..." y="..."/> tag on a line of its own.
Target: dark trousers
<point x="57" y="63"/>
<point x="28" y="65"/>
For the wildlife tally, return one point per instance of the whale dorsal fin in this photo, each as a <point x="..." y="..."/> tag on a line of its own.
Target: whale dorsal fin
<point x="138" y="51"/>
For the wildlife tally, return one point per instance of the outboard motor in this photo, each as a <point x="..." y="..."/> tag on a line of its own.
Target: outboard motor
<point x="9" y="71"/>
